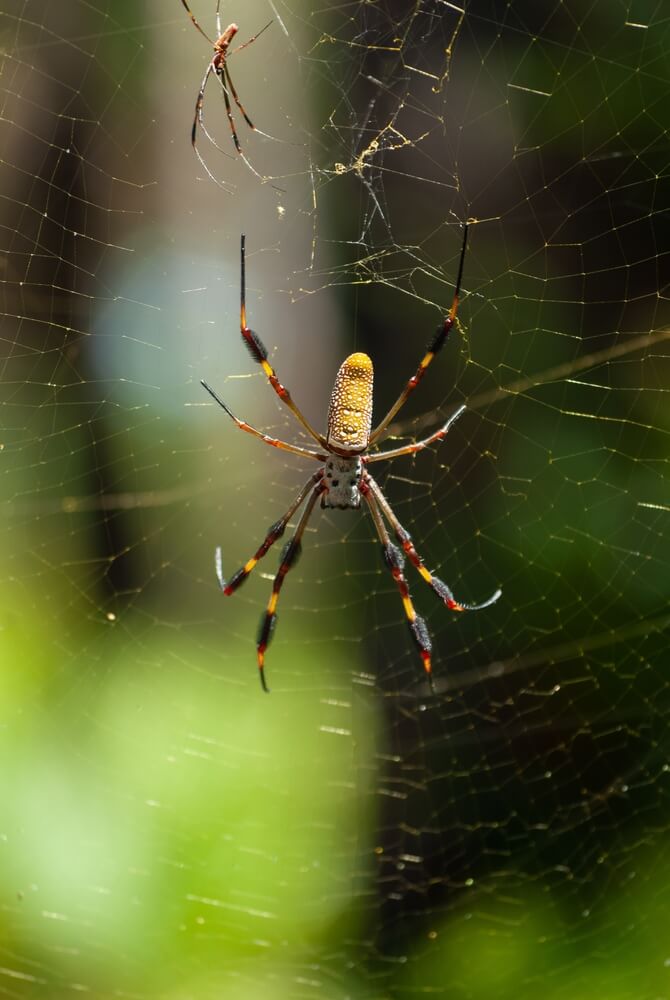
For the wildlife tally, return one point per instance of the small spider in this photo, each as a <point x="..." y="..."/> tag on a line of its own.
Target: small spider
<point x="344" y="478"/>
<point x="219" y="66"/>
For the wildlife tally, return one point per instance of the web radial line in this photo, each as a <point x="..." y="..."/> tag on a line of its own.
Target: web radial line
<point x="275" y="532"/>
<point x="433" y="348"/>
<point x="289" y="557"/>
<point x="394" y="560"/>
<point x="434" y="582"/>
<point x="273" y="442"/>
<point x="259" y="353"/>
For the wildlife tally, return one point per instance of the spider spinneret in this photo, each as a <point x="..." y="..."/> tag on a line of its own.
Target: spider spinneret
<point x="343" y="479"/>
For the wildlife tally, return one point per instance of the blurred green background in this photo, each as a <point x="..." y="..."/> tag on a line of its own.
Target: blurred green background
<point x="169" y="830"/>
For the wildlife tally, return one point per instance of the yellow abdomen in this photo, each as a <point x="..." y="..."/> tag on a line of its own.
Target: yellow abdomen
<point x="350" y="411"/>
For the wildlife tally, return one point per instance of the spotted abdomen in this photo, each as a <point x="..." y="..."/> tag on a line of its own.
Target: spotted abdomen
<point x="350" y="411"/>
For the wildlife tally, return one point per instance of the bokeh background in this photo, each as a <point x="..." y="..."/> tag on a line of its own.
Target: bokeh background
<point x="166" y="828"/>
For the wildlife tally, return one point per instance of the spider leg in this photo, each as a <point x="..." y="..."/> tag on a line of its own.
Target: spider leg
<point x="222" y="74"/>
<point x="274" y="442"/>
<point x="259" y="353"/>
<point x="403" y="536"/>
<point x="197" y="119"/>
<point x="289" y="557"/>
<point x="192" y="16"/>
<point x="238" y="48"/>
<point x="395" y="560"/>
<point x="218" y="17"/>
<point x="274" y="532"/>
<point x="410" y="449"/>
<point x="231" y="85"/>
<point x="434" y="346"/>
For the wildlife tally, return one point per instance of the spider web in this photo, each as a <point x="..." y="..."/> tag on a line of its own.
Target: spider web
<point x="166" y="828"/>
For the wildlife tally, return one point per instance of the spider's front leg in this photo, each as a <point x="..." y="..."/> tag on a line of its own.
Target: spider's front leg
<point x="434" y="347"/>
<point x="258" y="352"/>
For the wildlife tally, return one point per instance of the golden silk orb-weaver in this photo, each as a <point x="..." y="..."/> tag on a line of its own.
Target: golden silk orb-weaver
<point x="343" y="479"/>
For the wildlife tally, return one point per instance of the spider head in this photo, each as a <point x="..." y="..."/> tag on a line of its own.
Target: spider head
<point x="342" y="481"/>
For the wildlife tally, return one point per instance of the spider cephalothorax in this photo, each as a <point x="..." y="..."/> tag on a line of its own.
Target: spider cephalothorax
<point x="343" y="479"/>
<point x="342" y="482"/>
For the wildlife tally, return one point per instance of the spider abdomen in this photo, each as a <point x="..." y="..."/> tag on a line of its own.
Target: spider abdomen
<point x="342" y="482"/>
<point x="350" y="411"/>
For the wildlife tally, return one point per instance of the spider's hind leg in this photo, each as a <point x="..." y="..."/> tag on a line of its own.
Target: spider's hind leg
<point x="395" y="560"/>
<point x="289" y="557"/>
<point x="403" y="536"/>
<point x="275" y="531"/>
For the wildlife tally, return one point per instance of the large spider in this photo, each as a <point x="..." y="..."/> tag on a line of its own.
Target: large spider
<point x="344" y="478"/>
<point x="218" y="65"/>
